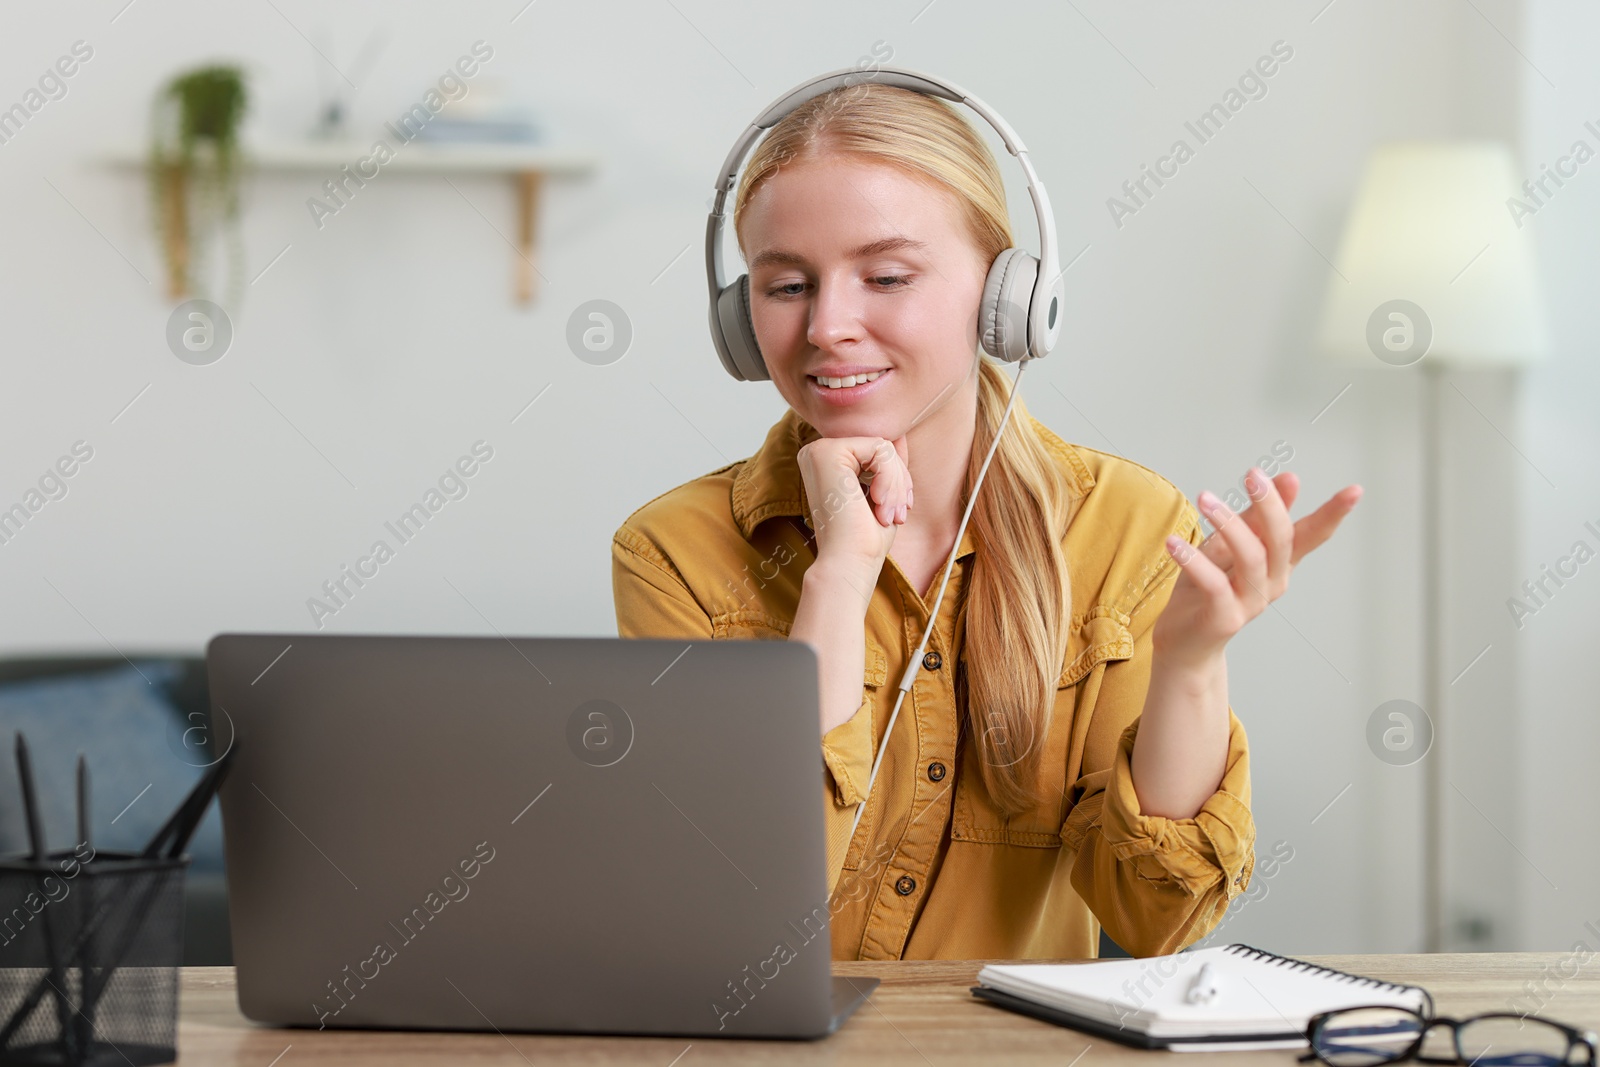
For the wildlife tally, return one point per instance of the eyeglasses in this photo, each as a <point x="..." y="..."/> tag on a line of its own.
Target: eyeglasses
<point x="1364" y="1036"/>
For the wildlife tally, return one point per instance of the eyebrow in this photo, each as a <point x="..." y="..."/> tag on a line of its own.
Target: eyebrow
<point x="784" y="258"/>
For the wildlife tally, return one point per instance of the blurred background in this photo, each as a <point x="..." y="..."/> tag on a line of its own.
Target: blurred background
<point x="1421" y="705"/>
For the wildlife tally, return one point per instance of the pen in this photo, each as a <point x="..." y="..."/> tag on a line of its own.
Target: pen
<point x="204" y="791"/>
<point x="83" y="799"/>
<point x="185" y="818"/>
<point x="1206" y="986"/>
<point x="83" y="1020"/>
<point x="30" y="800"/>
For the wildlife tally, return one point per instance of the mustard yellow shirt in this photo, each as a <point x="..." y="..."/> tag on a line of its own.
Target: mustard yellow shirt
<point x="934" y="871"/>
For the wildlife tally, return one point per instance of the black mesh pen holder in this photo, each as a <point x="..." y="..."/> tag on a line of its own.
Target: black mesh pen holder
<point x="89" y="958"/>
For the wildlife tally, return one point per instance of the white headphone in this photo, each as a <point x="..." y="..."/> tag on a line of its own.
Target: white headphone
<point x="1016" y="291"/>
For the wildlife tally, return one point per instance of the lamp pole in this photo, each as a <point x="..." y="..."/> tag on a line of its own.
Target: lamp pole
<point x="1433" y="875"/>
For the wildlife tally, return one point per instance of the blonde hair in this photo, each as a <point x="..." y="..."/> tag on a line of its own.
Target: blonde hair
<point x="1018" y="602"/>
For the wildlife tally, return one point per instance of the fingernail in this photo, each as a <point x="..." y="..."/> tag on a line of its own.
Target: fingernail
<point x="911" y="497"/>
<point x="1208" y="502"/>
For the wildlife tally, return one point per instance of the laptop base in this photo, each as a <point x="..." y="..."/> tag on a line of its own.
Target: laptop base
<point x="848" y="995"/>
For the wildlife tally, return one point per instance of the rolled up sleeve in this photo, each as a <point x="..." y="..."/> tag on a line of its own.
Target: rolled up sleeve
<point x="847" y="753"/>
<point x="1159" y="884"/>
<point x="847" y="762"/>
<point x="1213" y="846"/>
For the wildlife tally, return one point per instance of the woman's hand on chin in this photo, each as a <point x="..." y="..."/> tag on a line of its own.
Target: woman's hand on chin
<point x="858" y="490"/>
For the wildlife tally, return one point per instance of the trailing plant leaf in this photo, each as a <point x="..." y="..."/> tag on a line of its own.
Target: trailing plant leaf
<point x="194" y="170"/>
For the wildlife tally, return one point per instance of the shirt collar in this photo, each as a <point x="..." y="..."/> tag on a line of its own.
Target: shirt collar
<point x="769" y="485"/>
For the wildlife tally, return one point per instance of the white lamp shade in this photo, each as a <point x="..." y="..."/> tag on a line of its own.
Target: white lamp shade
<point x="1432" y="225"/>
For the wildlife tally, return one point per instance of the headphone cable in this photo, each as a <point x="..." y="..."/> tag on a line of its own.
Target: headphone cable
<point x="910" y="674"/>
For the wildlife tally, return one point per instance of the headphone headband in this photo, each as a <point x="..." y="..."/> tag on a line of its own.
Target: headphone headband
<point x="1042" y="311"/>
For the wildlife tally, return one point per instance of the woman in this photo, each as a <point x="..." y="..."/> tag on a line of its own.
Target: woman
<point x="1067" y="758"/>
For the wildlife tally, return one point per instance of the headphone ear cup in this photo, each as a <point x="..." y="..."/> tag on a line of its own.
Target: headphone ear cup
<point x="1003" y="314"/>
<point x="735" y="334"/>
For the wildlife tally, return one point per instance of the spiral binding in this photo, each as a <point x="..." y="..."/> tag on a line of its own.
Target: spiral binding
<point x="1272" y="959"/>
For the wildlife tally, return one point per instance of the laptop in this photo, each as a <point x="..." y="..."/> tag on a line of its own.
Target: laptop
<point x="554" y="834"/>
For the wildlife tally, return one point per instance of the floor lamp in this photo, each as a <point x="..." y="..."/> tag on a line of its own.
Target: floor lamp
<point x="1435" y="271"/>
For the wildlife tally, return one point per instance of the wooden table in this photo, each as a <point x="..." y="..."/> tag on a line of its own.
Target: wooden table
<point x="921" y="1014"/>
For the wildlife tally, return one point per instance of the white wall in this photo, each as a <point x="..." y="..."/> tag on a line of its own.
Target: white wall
<point x="388" y="340"/>
<point x="1561" y="674"/>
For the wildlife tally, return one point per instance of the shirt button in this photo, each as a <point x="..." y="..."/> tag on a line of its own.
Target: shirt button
<point x="905" y="885"/>
<point x="932" y="661"/>
<point x="935" y="772"/>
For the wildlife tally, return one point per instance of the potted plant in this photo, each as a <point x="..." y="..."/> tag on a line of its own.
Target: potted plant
<point x="194" y="170"/>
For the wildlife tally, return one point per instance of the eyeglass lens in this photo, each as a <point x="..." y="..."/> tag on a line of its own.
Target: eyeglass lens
<point x="1495" y="1041"/>
<point x="1366" y="1036"/>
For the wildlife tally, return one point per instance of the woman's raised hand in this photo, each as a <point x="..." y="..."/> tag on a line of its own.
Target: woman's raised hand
<point x="1243" y="566"/>
<point x="859" y="491"/>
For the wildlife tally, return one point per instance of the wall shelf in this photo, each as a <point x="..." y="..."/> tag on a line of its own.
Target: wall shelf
<point x="526" y="164"/>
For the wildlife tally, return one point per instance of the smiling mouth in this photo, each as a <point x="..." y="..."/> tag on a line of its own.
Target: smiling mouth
<point x="849" y="381"/>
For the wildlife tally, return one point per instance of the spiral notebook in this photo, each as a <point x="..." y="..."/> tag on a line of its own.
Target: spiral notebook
<point x="1261" y="999"/>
